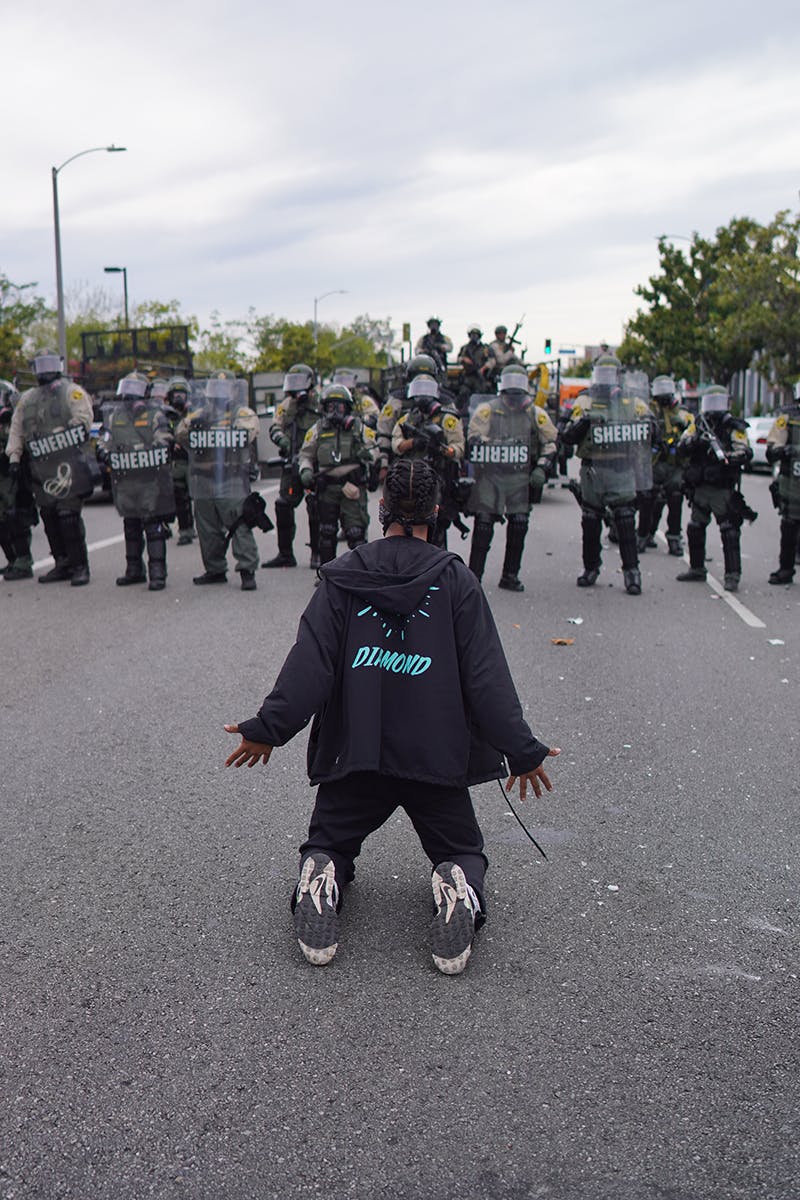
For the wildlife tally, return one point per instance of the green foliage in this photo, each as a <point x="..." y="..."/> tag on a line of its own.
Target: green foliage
<point x="20" y="310"/>
<point x="580" y="370"/>
<point x="224" y="345"/>
<point x="279" y="343"/>
<point x="729" y="303"/>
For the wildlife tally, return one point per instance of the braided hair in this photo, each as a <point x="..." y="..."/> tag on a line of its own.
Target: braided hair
<point x="410" y="495"/>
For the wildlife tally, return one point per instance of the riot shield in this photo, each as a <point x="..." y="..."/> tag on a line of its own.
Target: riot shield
<point x="59" y="452"/>
<point x="137" y="445"/>
<point x="636" y="389"/>
<point x="220" y="451"/>
<point x="500" y="462"/>
<point x="618" y="437"/>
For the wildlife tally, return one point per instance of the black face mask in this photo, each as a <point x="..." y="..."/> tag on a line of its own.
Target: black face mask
<point x="515" y="398"/>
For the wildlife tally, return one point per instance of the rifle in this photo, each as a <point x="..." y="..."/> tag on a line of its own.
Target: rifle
<point x="512" y="341"/>
<point x="254" y="513"/>
<point x="707" y="433"/>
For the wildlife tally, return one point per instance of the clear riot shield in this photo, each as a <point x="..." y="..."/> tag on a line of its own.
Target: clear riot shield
<point x="137" y="442"/>
<point x="219" y="448"/>
<point x="636" y="388"/>
<point x="613" y="471"/>
<point x="500" y="462"/>
<point x="60" y="453"/>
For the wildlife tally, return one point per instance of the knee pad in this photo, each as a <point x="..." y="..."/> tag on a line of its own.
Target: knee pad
<point x="518" y="520"/>
<point x="355" y="535"/>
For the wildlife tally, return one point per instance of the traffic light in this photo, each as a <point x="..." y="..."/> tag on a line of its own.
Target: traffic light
<point x="548" y="346"/>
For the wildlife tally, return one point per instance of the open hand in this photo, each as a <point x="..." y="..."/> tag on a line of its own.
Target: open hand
<point x="534" y="778"/>
<point x="247" y="753"/>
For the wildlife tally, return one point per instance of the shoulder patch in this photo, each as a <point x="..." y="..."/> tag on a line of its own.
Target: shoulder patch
<point x="541" y="416"/>
<point x="577" y="412"/>
<point x="280" y="410"/>
<point x="483" y="411"/>
<point x="450" y="423"/>
<point x="309" y="434"/>
<point x="387" y="410"/>
<point x="368" y="434"/>
<point x="781" y="423"/>
<point x="77" y="394"/>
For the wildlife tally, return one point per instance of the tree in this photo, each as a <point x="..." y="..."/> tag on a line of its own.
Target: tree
<point x="280" y="343"/>
<point x="731" y="303"/>
<point x="225" y="345"/>
<point x="20" y="310"/>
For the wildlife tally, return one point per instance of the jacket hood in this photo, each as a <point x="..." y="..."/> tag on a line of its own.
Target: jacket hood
<point x="393" y="574"/>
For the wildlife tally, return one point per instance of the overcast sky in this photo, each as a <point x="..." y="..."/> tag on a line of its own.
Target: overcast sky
<point x="476" y="162"/>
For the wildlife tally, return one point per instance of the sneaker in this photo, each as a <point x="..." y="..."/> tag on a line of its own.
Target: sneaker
<point x="453" y="927"/>
<point x="316" y="919"/>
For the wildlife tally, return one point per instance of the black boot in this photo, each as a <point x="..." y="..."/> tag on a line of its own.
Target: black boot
<point x="644" y="535"/>
<point x="591" y="526"/>
<point x="482" y="534"/>
<point x="285" y="529"/>
<point x="134" y="549"/>
<point x="633" y="581"/>
<point x="516" y="531"/>
<point x="696" y="535"/>
<point x="625" y="521"/>
<point x="248" y="581"/>
<point x="156" y="559"/>
<point x="55" y="539"/>
<point x="786" y="559"/>
<point x="731" y="551"/>
<point x="74" y="533"/>
<point x="312" y="509"/>
<point x="674" y="522"/>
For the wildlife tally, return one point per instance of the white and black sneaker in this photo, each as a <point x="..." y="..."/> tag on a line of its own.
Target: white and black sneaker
<point x="316" y="919"/>
<point x="453" y="927"/>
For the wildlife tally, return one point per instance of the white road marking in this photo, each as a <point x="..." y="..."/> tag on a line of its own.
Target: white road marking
<point x="740" y="609"/>
<point x="104" y="543"/>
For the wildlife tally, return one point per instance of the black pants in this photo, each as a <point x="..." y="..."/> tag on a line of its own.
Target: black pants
<point x="349" y="809"/>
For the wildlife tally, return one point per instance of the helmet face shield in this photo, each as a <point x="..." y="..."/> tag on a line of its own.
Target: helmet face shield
<point x="219" y="390"/>
<point x="605" y="376"/>
<point x="158" y="389"/>
<point x="514" y="380"/>
<point x="715" y="402"/>
<point x="132" y="388"/>
<point x="422" y="386"/>
<point x="46" y="365"/>
<point x="295" y="383"/>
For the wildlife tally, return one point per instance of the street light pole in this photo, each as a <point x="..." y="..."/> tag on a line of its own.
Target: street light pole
<point x="124" y="272"/>
<point x="62" y="331"/>
<point x="335" y="292"/>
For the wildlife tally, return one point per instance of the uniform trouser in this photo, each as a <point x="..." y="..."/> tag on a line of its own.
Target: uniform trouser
<point x="708" y="501"/>
<point x="668" y="491"/>
<point x="624" y="517"/>
<point x="213" y="519"/>
<point x="66" y="533"/>
<point x="290" y="496"/>
<point x="183" y="505"/>
<point x="332" y="507"/>
<point x="348" y="810"/>
<point x="789" y="544"/>
<point x="15" y="539"/>
<point x="645" y="502"/>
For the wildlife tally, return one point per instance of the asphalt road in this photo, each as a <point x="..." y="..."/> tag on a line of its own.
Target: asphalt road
<point x="627" y="1027"/>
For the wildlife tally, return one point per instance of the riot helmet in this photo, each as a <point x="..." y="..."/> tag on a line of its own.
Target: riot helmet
<point x="513" y="385"/>
<point x="664" y="391"/>
<point x="133" y="387"/>
<point x="299" y="380"/>
<point x="421" y="364"/>
<point x="159" y="389"/>
<point x="346" y="376"/>
<point x="46" y="366"/>
<point x="337" y="404"/>
<point x="178" y="393"/>
<point x="220" y="387"/>
<point x="714" y="400"/>
<point x="606" y="377"/>
<point x="474" y="333"/>
<point x="8" y="398"/>
<point x="423" y="392"/>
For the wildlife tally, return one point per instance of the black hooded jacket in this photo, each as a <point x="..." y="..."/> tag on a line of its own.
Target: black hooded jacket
<point x="399" y="662"/>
